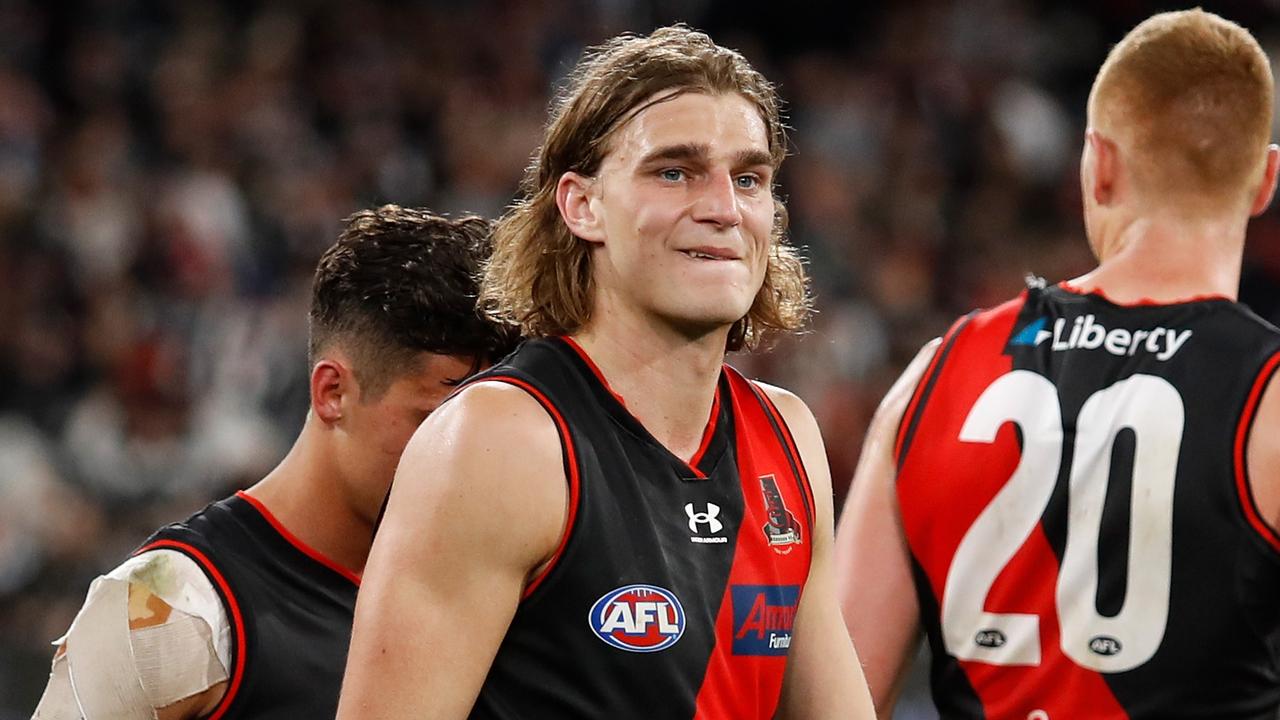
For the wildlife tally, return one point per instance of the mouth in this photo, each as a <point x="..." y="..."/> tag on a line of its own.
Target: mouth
<point x="711" y="253"/>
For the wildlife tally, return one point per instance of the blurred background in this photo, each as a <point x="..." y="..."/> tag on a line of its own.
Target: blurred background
<point x="171" y="171"/>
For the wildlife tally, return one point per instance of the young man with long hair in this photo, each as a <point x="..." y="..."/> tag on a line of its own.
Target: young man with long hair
<point x="613" y="523"/>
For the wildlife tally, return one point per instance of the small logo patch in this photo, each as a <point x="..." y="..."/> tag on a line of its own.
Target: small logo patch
<point x="1033" y="334"/>
<point x="638" y="618"/>
<point x="709" y="518"/>
<point x="763" y="618"/>
<point x="1104" y="645"/>
<point x="989" y="638"/>
<point x="782" y="531"/>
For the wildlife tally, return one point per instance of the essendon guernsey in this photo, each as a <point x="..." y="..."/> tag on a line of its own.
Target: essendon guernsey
<point x="675" y="591"/>
<point x="1073" y="493"/>
<point x="289" y="609"/>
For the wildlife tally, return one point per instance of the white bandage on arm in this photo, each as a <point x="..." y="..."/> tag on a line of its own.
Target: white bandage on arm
<point x="151" y="632"/>
<point x="58" y="701"/>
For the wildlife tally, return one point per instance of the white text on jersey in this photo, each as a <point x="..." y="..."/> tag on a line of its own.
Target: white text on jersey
<point x="1088" y="334"/>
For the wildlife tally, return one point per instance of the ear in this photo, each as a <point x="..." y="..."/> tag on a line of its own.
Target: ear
<point x="330" y="381"/>
<point x="1267" y="190"/>
<point x="574" y="196"/>
<point x="1106" y="167"/>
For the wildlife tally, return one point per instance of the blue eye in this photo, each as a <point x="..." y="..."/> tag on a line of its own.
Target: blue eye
<point x="672" y="175"/>
<point x="747" y="182"/>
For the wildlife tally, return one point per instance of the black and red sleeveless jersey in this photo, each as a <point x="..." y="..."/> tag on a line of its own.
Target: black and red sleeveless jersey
<point x="289" y="608"/>
<point x="675" y="589"/>
<point x="1073" y="493"/>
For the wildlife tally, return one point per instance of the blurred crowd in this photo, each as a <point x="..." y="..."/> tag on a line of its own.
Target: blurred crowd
<point x="170" y="172"/>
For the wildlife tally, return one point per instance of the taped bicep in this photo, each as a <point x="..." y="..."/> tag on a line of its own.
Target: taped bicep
<point x="151" y="632"/>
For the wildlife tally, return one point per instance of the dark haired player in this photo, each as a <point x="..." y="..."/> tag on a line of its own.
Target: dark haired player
<point x="245" y="608"/>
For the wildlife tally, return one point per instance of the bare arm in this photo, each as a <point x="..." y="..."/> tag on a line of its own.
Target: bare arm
<point x="823" y="678"/>
<point x="1263" y="455"/>
<point x="478" y="504"/>
<point x="873" y="580"/>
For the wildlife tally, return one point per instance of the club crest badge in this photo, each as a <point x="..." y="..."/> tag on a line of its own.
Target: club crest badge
<point x="782" y="531"/>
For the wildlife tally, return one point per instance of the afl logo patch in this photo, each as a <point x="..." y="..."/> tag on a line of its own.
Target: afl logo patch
<point x="638" y="618"/>
<point x="1104" y="645"/>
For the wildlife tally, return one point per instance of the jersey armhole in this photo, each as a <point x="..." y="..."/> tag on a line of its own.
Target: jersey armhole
<point x="571" y="471"/>
<point x="915" y="408"/>
<point x="783" y="431"/>
<point x="1243" y="430"/>
<point x="232" y="607"/>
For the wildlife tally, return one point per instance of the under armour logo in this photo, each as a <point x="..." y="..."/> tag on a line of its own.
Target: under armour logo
<point x="708" y="517"/>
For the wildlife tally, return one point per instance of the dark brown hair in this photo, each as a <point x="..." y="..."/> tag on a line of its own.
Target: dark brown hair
<point x="398" y="282"/>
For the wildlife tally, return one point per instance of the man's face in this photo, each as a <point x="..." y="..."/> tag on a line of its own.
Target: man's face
<point x="685" y="205"/>
<point x="377" y="430"/>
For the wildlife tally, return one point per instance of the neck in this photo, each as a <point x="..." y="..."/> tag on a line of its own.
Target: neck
<point x="667" y="379"/>
<point x="1164" y="258"/>
<point x="305" y="494"/>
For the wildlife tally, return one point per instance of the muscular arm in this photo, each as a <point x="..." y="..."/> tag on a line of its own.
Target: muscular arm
<point x="873" y="578"/>
<point x="823" y="678"/>
<point x="478" y="504"/>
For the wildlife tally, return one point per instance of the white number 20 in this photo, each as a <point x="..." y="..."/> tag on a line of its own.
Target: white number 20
<point x="1153" y="410"/>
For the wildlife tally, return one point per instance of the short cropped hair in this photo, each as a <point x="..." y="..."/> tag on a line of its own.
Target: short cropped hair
<point x="1192" y="92"/>
<point x="398" y="282"/>
<point x="540" y="274"/>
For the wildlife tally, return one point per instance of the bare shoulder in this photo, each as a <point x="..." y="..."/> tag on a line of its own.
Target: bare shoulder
<point x="492" y="409"/>
<point x="794" y="410"/>
<point x="489" y="426"/>
<point x="808" y="437"/>
<point x="489" y="432"/>
<point x="492" y="452"/>
<point x="1263" y="454"/>
<point x="895" y="402"/>
<point x="1267" y="414"/>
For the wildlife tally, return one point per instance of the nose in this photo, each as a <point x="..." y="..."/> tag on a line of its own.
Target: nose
<point x="717" y="202"/>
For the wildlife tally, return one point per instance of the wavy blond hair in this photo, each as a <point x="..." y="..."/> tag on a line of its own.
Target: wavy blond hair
<point x="539" y="276"/>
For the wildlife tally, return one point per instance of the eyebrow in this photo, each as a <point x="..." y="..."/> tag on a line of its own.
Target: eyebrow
<point x="683" y="151"/>
<point x="701" y="151"/>
<point x="751" y="158"/>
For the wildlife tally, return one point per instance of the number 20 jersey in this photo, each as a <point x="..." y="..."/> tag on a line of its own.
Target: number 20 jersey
<point x="1072" y="487"/>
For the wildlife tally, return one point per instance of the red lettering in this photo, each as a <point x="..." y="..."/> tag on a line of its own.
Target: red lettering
<point x="779" y="617"/>
<point x="755" y="619"/>
<point x="764" y="617"/>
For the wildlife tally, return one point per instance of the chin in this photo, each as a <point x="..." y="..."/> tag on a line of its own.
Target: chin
<point x="699" y="319"/>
